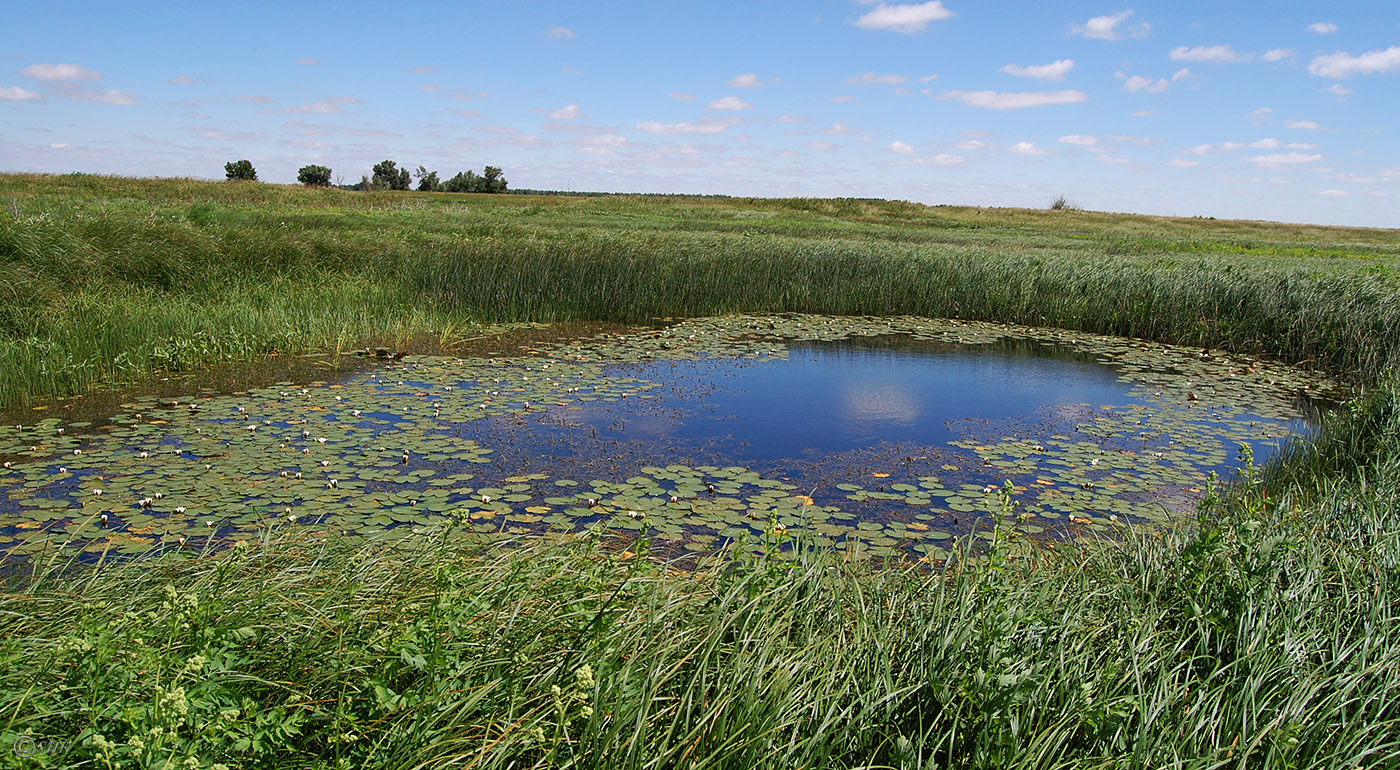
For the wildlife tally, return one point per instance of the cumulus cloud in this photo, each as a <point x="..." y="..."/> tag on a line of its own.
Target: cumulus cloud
<point x="871" y="79"/>
<point x="1112" y="27"/>
<point x="1338" y="89"/>
<point x="729" y="103"/>
<point x="1183" y="163"/>
<point x="110" y="96"/>
<point x="565" y="113"/>
<point x="994" y="100"/>
<point x="1079" y="140"/>
<point x="843" y="99"/>
<point x="1055" y="70"/>
<point x="793" y="119"/>
<point x="900" y="148"/>
<point x="700" y="127"/>
<point x="17" y="94"/>
<point x="1026" y="148"/>
<point x="60" y="72"/>
<point x="323" y="107"/>
<point x="1305" y="125"/>
<point x="1277" y="54"/>
<point x="560" y="33"/>
<point x="1140" y="83"/>
<point x="1342" y="65"/>
<point x="1218" y="54"/>
<point x="1322" y="28"/>
<point x="1281" y="160"/>
<point x="907" y="19"/>
<point x="746" y="80"/>
<point x="681" y="96"/>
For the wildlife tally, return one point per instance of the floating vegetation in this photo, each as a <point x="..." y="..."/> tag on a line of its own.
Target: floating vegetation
<point x="387" y="450"/>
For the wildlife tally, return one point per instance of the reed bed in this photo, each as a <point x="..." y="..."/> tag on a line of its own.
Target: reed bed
<point x="1264" y="633"/>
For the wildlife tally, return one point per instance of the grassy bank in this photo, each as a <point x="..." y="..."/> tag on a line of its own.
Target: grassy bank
<point x="105" y="279"/>
<point x="1265" y="636"/>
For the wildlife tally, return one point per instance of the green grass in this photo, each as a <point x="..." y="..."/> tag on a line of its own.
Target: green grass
<point x="1266" y="634"/>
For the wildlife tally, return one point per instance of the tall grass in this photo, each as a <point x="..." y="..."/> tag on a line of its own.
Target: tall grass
<point x="1264" y="634"/>
<point x="97" y="275"/>
<point x="1268" y="636"/>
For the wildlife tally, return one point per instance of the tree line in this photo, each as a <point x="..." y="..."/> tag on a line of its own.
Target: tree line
<point x="387" y="175"/>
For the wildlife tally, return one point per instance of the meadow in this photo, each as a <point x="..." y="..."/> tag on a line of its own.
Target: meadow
<point x="1265" y="633"/>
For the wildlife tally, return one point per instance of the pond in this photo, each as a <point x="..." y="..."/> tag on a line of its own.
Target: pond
<point x="884" y="437"/>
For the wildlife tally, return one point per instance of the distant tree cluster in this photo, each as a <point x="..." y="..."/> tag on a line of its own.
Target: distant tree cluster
<point x="388" y="176"/>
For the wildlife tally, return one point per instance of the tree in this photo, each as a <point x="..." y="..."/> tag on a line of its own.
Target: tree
<point x="464" y="182"/>
<point x="314" y="176"/>
<point x="388" y="175"/>
<point x="494" y="182"/>
<point x="241" y="170"/>
<point x="427" y="180"/>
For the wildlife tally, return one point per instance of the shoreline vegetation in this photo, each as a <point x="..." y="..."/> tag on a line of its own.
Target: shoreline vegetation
<point x="1265" y="633"/>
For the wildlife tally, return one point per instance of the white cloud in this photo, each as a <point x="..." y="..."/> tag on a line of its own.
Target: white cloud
<point x="1343" y="65"/>
<point x="900" y="148"/>
<point x="702" y="127"/>
<point x="942" y="159"/>
<point x="907" y="19"/>
<point x="17" y="94"/>
<point x="60" y="72"/>
<point x="1200" y="149"/>
<point x="1217" y="54"/>
<point x="871" y="79"/>
<point x="1140" y="83"/>
<point x="1333" y="193"/>
<point x="1261" y="115"/>
<point x="1053" y="71"/>
<point x="1277" y="54"/>
<point x="1108" y="28"/>
<point x="603" y="140"/>
<point x="681" y="96"/>
<point x="1183" y="163"/>
<point x="1026" y="148"/>
<point x="323" y="107"/>
<point x="1181" y="73"/>
<point x="928" y="78"/>
<point x="974" y="144"/>
<point x="1338" y="89"/>
<point x="1142" y="113"/>
<point x="182" y="80"/>
<point x="1322" y="28"/>
<point x="560" y="33"/>
<point x="994" y="100"/>
<point x="565" y="113"/>
<point x="746" y="80"/>
<point x="1105" y="158"/>
<point x="729" y="103"/>
<point x="837" y="129"/>
<point x="793" y="119"/>
<point x="823" y="146"/>
<point x="1280" y="160"/>
<point x="306" y="62"/>
<point x="1079" y="140"/>
<point x="1305" y="125"/>
<point x="111" y="96"/>
<point x="844" y="99"/>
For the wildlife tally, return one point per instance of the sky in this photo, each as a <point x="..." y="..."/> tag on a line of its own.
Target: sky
<point x="1244" y="110"/>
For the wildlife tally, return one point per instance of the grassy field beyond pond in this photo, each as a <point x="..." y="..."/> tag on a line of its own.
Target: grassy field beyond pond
<point x="1266" y="634"/>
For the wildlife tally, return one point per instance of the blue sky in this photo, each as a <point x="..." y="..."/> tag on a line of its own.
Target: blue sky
<point x="1281" y="111"/>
